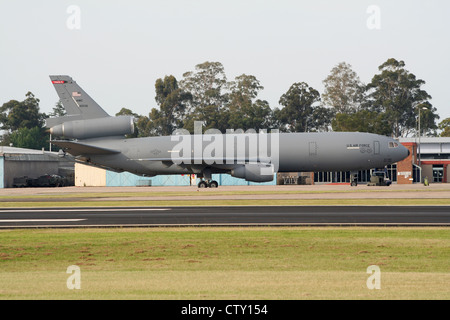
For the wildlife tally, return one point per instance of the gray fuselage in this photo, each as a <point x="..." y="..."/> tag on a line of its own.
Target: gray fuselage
<point x="289" y="152"/>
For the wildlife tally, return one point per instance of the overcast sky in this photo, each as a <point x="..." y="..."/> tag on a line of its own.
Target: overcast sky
<point x="117" y="49"/>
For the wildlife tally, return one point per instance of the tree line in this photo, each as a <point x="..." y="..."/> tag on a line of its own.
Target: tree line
<point x="389" y="105"/>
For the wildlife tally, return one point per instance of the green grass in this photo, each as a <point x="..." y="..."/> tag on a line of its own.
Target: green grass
<point x="225" y="263"/>
<point x="207" y="192"/>
<point x="250" y="197"/>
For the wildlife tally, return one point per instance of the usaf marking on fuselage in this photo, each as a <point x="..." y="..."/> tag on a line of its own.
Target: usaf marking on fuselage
<point x="97" y="139"/>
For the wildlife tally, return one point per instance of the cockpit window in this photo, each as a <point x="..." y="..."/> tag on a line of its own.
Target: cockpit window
<point x="393" y="144"/>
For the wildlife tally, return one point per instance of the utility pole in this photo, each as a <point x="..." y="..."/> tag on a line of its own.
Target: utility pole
<point x="420" y="134"/>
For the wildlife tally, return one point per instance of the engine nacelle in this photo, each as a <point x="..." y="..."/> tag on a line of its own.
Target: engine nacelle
<point x="95" y="128"/>
<point x="255" y="172"/>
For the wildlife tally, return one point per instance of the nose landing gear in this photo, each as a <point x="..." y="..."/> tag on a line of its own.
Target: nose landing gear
<point x="354" y="178"/>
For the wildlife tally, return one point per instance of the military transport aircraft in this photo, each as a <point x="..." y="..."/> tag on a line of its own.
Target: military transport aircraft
<point x="93" y="137"/>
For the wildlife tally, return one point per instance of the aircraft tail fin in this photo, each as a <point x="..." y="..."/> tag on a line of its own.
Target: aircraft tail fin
<point x="78" y="104"/>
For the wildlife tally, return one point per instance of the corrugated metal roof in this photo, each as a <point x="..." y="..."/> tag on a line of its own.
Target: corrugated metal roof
<point x="30" y="157"/>
<point x="440" y="145"/>
<point x="22" y="154"/>
<point x="426" y="139"/>
<point x="14" y="150"/>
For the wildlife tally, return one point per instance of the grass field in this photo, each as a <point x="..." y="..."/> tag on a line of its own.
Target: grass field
<point x="227" y="196"/>
<point x="225" y="263"/>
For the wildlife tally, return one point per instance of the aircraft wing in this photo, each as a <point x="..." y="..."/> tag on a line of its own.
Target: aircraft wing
<point x="212" y="161"/>
<point x="77" y="148"/>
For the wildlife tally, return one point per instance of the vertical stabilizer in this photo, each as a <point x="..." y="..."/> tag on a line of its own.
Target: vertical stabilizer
<point x="78" y="104"/>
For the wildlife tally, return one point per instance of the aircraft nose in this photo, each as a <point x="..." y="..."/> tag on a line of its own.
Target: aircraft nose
<point x="404" y="153"/>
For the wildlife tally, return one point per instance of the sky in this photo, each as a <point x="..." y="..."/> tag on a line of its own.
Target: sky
<point x="117" y="49"/>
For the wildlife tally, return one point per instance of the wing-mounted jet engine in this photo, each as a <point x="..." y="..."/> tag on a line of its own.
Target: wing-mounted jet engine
<point x="253" y="172"/>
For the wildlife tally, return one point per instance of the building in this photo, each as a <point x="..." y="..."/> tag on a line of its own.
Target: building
<point x="19" y="163"/>
<point x="429" y="158"/>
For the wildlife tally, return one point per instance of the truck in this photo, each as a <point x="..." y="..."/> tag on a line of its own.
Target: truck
<point x="379" y="178"/>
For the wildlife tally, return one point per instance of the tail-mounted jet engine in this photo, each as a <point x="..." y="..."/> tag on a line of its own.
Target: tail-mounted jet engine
<point x="94" y="128"/>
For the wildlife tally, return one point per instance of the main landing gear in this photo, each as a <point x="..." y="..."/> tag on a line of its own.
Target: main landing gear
<point x="208" y="184"/>
<point x="206" y="179"/>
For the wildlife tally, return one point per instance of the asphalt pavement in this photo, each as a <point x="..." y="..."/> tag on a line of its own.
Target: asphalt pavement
<point x="226" y="216"/>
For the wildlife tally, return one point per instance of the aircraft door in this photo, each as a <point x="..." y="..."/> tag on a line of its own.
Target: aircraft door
<point x="376" y="147"/>
<point x="312" y="149"/>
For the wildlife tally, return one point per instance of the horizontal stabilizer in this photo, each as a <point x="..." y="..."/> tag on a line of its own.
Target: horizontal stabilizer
<point x="77" y="149"/>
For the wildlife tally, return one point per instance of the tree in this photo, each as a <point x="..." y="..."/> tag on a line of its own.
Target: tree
<point x="299" y="103"/>
<point x="25" y="114"/>
<point x="321" y="119"/>
<point x="362" y="121"/>
<point x="397" y="92"/>
<point x="34" y="138"/>
<point x="344" y="91"/>
<point x="244" y="88"/>
<point x="428" y="119"/>
<point x="126" y="112"/>
<point x="444" y="125"/>
<point x="172" y="102"/>
<point x="245" y="111"/>
<point x="24" y="123"/>
<point x="171" y="113"/>
<point x="58" y="110"/>
<point x="143" y="127"/>
<point x="207" y="85"/>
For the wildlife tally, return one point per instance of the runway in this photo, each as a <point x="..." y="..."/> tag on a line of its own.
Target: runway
<point x="226" y="216"/>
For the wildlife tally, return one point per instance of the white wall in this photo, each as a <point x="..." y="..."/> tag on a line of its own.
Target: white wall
<point x="87" y="176"/>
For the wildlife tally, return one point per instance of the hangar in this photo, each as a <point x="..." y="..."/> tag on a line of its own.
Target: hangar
<point x="18" y="163"/>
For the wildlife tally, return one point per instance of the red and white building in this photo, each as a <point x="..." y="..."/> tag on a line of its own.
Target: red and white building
<point x="429" y="157"/>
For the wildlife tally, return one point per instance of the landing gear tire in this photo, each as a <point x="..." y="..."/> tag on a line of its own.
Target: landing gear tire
<point x="213" y="184"/>
<point x="202" y="184"/>
<point x="354" y="184"/>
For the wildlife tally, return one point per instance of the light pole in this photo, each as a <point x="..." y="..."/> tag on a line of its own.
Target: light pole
<point x="420" y="133"/>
